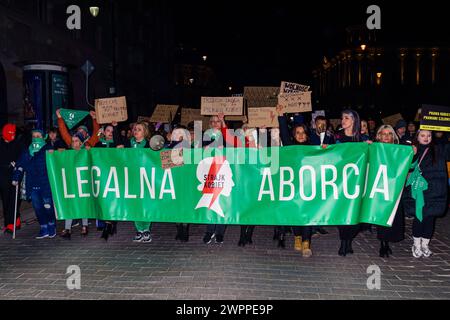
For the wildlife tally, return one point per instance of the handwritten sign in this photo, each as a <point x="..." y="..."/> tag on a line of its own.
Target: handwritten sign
<point x="171" y="158"/>
<point x="236" y="118"/>
<point x="295" y="102"/>
<point x="164" y="113"/>
<point x="392" y="120"/>
<point x="142" y="118"/>
<point x="291" y="87"/>
<point x="111" y="109"/>
<point x="189" y="115"/>
<point x="226" y="105"/>
<point x="261" y="96"/>
<point x="260" y="117"/>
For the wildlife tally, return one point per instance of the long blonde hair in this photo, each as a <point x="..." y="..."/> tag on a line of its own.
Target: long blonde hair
<point x="388" y="127"/>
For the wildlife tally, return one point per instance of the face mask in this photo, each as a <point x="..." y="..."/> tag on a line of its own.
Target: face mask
<point x="9" y="132"/>
<point x="36" y="145"/>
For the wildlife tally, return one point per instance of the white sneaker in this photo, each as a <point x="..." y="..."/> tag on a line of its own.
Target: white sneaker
<point x="426" y="251"/>
<point x="417" y="251"/>
<point x="147" y="237"/>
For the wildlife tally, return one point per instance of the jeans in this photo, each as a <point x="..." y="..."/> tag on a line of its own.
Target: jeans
<point x="43" y="207"/>
<point x="68" y="223"/>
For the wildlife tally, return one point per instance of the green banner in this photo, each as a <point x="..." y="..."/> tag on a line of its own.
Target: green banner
<point x="72" y="117"/>
<point x="298" y="185"/>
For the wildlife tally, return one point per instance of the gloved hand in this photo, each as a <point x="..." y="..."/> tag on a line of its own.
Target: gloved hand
<point x="15" y="183"/>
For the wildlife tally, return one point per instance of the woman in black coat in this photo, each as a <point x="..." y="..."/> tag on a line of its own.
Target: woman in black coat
<point x="430" y="161"/>
<point x="298" y="136"/>
<point x="395" y="233"/>
<point x="350" y="132"/>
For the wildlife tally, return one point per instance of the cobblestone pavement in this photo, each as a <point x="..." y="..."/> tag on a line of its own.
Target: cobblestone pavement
<point x="167" y="269"/>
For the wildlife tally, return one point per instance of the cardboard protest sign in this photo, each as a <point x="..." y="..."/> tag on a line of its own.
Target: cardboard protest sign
<point x="171" y="158"/>
<point x="392" y="120"/>
<point x="111" y="109"/>
<point x="260" y="117"/>
<point x="295" y="102"/>
<point x="164" y="113"/>
<point x="236" y="118"/>
<point x="142" y="118"/>
<point x="225" y="105"/>
<point x="189" y="115"/>
<point x="291" y="87"/>
<point x="261" y="96"/>
<point x="418" y="115"/>
<point x="435" y="118"/>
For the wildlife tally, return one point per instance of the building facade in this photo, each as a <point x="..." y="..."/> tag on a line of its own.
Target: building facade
<point x="381" y="80"/>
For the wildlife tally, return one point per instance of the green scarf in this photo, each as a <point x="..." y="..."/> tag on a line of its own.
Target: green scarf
<point x="418" y="186"/>
<point x="135" y="144"/>
<point x="106" y="142"/>
<point x="36" y="145"/>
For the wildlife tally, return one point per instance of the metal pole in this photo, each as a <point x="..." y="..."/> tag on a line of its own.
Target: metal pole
<point x="15" y="211"/>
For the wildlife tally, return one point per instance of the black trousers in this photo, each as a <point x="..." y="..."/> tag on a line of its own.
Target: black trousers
<point x="7" y="194"/>
<point x="348" y="232"/>
<point x="423" y="229"/>
<point x="218" y="229"/>
<point x="305" y="232"/>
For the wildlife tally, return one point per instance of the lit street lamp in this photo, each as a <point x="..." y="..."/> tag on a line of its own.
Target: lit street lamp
<point x="94" y="11"/>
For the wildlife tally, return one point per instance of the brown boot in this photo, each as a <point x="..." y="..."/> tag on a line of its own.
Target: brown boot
<point x="306" y="246"/>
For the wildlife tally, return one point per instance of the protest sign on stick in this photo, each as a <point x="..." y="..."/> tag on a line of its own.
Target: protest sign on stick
<point x="188" y="115"/>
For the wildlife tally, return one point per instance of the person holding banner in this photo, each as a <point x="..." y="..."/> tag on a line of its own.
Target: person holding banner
<point x="350" y="132"/>
<point x="181" y="139"/>
<point x="320" y="136"/>
<point x="140" y="140"/>
<point x="396" y="233"/>
<point x="109" y="137"/>
<point x="425" y="195"/>
<point x="299" y="136"/>
<point x="32" y="162"/>
<point x="54" y="140"/>
<point x="77" y="143"/>
<point x="10" y="149"/>
<point x="67" y="138"/>
<point x="218" y="138"/>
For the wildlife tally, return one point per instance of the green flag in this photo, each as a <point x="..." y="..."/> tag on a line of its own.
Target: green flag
<point x="344" y="184"/>
<point x="73" y="117"/>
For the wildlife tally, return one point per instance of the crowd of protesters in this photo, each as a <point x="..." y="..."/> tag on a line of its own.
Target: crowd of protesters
<point x="24" y="155"/>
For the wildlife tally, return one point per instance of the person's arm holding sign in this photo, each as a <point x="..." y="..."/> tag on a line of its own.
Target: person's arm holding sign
<point x="284" y="130"/>
<point x="63" y="131"/>
<point x="95" y="128"/>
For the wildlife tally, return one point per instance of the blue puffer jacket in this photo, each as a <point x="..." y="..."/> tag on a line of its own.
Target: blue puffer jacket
<point x="36" y="169"/>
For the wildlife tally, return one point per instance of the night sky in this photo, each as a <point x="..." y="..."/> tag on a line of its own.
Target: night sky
<point x="261" y="43"/>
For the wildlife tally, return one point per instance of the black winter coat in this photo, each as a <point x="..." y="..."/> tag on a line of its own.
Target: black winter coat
<point x="437" y="178"/>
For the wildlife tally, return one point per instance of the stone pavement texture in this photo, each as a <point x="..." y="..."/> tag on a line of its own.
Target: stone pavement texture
<point x="167" y="269"/>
